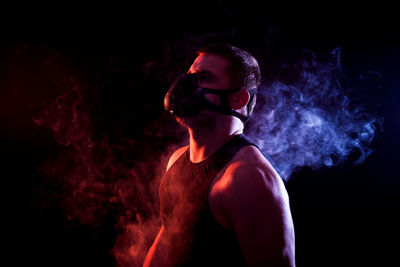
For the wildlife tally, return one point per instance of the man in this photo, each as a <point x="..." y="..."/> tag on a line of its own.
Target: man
<point x="221" y="201"/>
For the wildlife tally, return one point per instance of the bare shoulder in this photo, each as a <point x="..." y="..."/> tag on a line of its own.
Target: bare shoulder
<point x="249" y="160"/>
<point x="251" y="174"/>
<point x="176" y="155"/>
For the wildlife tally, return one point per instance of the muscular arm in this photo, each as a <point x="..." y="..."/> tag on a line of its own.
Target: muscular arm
<point x="259" y="211"/>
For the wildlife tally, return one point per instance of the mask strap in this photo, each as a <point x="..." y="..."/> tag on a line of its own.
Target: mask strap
<point x="225" y="107"/>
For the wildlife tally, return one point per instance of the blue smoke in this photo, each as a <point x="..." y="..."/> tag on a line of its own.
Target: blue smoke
<point x="310" y="121"/>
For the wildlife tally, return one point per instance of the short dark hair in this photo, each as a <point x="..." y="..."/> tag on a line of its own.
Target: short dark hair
<point x="243" y="67"/>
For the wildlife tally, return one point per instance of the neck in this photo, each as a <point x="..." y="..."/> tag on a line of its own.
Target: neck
<point x="205" y="143"/>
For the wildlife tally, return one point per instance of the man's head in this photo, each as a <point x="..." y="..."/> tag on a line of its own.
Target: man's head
<point x="231" y="63"/>
<point x="222" y="79"/>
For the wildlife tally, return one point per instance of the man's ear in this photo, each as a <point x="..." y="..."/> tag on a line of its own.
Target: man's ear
<point x="239" y="99"/>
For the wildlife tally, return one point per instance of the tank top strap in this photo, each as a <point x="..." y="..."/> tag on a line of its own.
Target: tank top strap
<point x="223" y="155"/>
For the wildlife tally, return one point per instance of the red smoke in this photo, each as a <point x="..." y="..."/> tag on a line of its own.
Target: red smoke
<point x="94" y="176"/>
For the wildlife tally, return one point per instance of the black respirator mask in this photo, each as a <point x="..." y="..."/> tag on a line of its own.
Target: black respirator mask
<point x="186" y="99"/>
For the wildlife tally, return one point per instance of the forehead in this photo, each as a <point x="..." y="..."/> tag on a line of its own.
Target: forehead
<point x="209" y="62"/>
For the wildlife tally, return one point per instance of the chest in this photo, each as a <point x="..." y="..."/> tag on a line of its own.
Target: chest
<point x="186" y="193"/>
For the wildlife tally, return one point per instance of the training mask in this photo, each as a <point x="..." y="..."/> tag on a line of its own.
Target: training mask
<point x="186" y="99"/>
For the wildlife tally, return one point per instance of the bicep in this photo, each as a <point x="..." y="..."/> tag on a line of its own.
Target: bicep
<point x="261" y="218"/>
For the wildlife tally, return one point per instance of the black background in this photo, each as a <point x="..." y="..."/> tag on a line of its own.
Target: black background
<point x="344" y="216"/>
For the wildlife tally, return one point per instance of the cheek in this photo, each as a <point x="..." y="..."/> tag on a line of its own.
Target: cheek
<point x="214" y="99"/>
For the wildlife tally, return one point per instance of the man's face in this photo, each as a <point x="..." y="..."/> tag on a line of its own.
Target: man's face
<point x="212" y="72"/>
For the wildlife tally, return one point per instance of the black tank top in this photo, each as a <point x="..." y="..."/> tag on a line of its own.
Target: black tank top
<point x="194" y="237"/>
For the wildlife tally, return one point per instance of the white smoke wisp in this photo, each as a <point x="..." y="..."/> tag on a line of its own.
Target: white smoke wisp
<point x="311" y="121"/>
